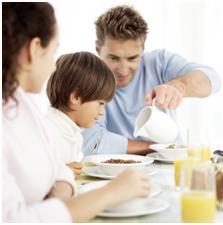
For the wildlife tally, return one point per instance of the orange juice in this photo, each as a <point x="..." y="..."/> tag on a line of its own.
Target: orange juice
<point x="198" y="206"/>
<point x="194" y="152"/>
<point x="202" y="153"/>
<point x="177" y="168"/>
<point x="206" y="153"/>
<point x="188" y="163"/>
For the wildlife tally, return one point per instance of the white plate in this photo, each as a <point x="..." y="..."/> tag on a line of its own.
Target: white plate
<point x="154" y="190"/>
<point x="151" y="206"/>
<point x="94" y="171"/>
<point x="157" y="157"/>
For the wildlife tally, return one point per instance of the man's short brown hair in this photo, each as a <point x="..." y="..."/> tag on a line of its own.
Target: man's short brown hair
<point x="82" y="73"/>
<point x="121" y="22"/>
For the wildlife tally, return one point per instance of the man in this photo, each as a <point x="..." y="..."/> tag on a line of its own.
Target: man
<point x="158" y="77"/>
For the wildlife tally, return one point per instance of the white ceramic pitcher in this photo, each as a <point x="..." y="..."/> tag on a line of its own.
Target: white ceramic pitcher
<point x="155" y="125"/>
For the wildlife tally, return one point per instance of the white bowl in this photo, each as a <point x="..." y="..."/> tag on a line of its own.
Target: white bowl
<point x="131" y="205"/>
<point x="117" y="168"/>
<point x="167" y="151"/>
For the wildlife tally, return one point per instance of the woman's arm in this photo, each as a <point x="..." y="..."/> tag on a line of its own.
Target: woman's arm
<point x="61" y="190"/>
<point x="86" y="206"/>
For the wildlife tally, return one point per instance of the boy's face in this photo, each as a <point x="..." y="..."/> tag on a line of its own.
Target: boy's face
<point x="88" y="113"/>
<point x="122" y="57"/>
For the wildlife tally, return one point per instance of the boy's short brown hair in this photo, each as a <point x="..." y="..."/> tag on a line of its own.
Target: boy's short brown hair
<point x="121" y="22"/>
<point x="82" y="73"/>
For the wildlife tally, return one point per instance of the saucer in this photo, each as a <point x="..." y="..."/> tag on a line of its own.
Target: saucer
<point x="157" y="157"/>
<point x="155" y="189"/>
<point x="151" y="206"/>
<point x="94" y="171"/>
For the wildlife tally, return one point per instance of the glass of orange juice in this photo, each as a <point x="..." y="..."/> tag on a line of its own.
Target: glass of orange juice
<point x="198" y="146"/>
<point x="205" y="152"/>
<point x="189" y="163"/>
<point x="202" y="152"/>
<point x="198" y="200"/>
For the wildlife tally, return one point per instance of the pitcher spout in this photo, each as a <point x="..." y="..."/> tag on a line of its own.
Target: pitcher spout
<point x="140" y="132"/>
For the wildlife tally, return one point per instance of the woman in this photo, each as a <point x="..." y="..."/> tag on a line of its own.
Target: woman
<point x="36" y="186"/>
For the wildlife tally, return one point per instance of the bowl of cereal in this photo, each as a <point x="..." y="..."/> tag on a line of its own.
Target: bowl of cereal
<point x="170" y="151"/>
<point x="114" y="164"/>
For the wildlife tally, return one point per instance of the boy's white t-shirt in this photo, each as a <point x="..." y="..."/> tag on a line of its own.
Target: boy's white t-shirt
<point x="67" y="136"/>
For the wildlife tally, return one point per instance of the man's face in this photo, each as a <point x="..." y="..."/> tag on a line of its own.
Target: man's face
<point x="122" y="57"/>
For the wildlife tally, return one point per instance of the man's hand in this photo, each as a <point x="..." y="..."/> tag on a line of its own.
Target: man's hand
<point x="139" y="147"/>
<point x="170" y="94"/>
<point x="166" y="96"/>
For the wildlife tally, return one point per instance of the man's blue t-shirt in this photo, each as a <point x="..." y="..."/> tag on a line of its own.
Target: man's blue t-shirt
<point x="111" y="133"/>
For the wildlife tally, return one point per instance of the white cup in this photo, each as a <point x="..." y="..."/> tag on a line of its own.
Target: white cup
<point x="155" y="125"/>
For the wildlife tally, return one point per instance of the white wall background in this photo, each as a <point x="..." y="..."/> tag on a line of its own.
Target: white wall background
<point x="192" y="28"/>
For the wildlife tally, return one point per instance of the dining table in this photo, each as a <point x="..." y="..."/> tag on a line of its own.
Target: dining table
<point x="164" y="177"/>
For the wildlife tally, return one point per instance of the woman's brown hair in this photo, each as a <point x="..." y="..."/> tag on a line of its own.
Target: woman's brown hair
<point x="84" y="74"/>
<point x="21" y="22"/>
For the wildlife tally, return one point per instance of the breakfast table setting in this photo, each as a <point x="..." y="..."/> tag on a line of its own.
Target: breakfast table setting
<point x="186" y="178"/>
<point x="164" y="203"/>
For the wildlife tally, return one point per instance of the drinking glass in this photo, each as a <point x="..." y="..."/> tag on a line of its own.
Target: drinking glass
<point x="198" y="146"/>
<point x="219" y="185"/>
<point x="198" y="197"/>
<point x="188" y="162"/>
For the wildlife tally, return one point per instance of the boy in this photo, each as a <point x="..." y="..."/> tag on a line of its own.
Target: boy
<point x="78" y="91"/>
